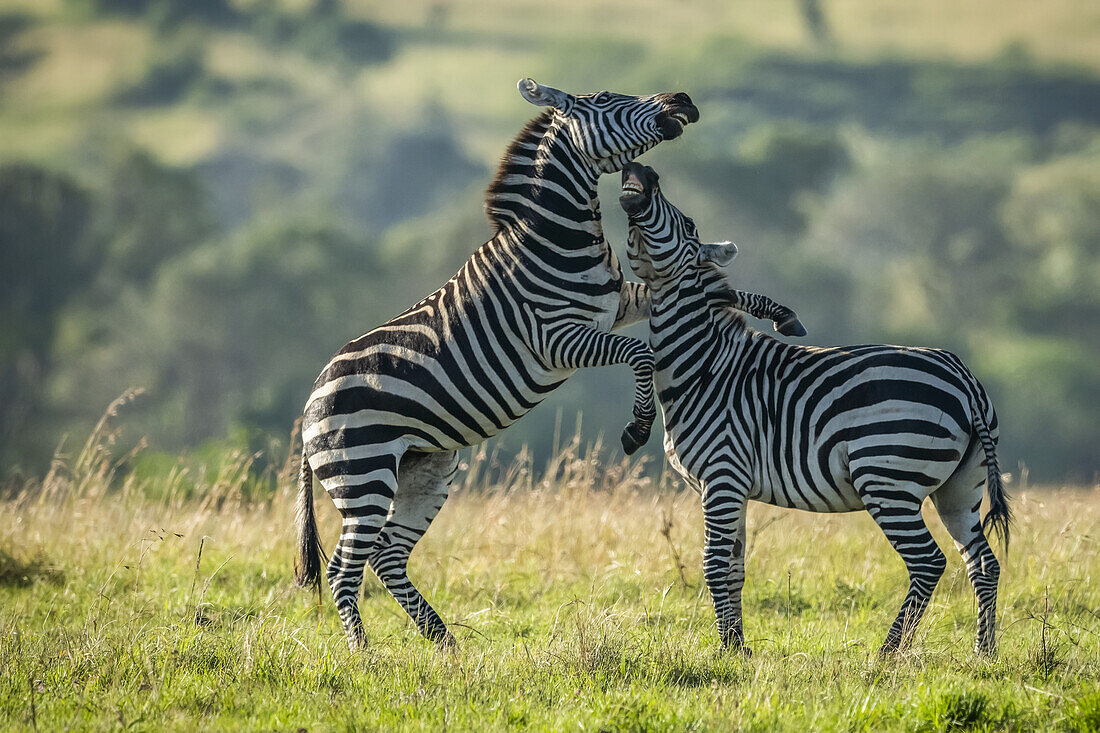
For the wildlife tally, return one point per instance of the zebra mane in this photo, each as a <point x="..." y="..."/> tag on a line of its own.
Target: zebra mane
<point x="520" y="152"/>
<point x="719" y="292"/>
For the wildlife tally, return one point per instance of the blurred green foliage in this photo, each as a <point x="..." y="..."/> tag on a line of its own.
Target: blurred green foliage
<point x="209" y="207"/>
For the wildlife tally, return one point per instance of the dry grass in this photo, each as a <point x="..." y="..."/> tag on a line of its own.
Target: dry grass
<point x="575" y="591"/>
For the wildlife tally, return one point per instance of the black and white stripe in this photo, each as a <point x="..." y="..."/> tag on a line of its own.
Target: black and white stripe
<point x="531" y="306"/>
<point x="877" y="428"/>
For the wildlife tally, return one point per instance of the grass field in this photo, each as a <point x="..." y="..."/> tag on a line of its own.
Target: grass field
<point x="575" y="592"/>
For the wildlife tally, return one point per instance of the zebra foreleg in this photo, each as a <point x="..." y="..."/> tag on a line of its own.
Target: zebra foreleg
<point x="735" y="583"/>
<point x="724" y="559"/>
<point x="575" y="347"/>
<point x="898" y="515"/>
<point x="783" y="318"/>
<point x="424" y="483"/>
<point x="635" y="303"/>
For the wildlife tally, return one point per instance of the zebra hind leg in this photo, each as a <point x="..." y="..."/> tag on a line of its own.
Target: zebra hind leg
<point x="958" y="503"/>
<point x="423" y="486"/>
<point x="363" y="498"/>
<point x="897" y="511"/>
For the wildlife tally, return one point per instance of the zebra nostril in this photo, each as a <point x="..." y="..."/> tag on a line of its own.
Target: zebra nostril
<point x="682" y="98"/>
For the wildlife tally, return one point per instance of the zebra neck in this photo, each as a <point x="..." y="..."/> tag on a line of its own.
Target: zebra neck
<point x="695" y="306"/>
<point x="544" y="193"/>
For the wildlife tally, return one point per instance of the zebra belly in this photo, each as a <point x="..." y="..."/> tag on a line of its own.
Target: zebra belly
<point x="822" y="498"/>
<point x="914" y="448"/>
<point x="451" y="371"/>
<point x="429" y="404"/>
<point x="776" y="485"/>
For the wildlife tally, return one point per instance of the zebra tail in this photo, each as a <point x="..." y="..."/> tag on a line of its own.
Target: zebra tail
<point x="307" y="566"/>
<point x="999" y="517"/>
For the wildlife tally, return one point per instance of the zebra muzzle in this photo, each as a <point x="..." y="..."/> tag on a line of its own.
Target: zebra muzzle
<point x="672" y="121"/>
<point x="638" y="183"/>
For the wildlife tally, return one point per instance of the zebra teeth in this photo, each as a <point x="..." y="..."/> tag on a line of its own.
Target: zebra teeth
<point x="680" y="117"/>
<point x="632" y="187"/>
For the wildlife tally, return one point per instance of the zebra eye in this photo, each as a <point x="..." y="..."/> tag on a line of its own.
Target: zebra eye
<point x="601" y="97"/>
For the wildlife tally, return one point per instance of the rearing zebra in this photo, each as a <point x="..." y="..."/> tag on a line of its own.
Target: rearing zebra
<point x="822" y="429"/>
<point x="531" y="306"/>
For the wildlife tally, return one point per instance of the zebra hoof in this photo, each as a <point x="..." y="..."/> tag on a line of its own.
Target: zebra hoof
<point x="988" y="651"/>
<point x="441" y="637"/>
<point x="889" y="650"/>
<point x="791" y="327"/>
<point x="634" y="437"/>
<point x="736" y="648"/>
<point x="735" y="644"/>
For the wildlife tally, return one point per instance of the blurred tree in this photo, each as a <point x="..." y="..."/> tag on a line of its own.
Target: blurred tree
<point x="1052" y="218"/>
<point x="813" y="17"/>
<point x="324" y="32"/>
<point x="151" y="213"/>
<point x="45" y="255"/>
<point x="173" y="67"/>
<point x="234" y="332"/>
<point x="166" y="12"/>
<point x="15" y="58"/>
<point x="916" y="230"/>
<point x="415" y="172"/>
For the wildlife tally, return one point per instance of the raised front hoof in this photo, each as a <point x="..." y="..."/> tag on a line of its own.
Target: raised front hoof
<point x="634" y="437"/>
<point x="791" y="327"/>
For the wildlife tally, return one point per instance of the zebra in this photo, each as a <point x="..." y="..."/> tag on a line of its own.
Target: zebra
<point x="387" y="415"/>
<point x="748" y="417"/>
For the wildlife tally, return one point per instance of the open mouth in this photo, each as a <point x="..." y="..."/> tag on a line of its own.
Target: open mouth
<point x="634" y="196"/>
<point x="673" y="121"/>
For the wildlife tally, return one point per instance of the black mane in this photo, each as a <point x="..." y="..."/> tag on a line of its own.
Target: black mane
<point x="720" y="294"/>
<point x="516" y="154"/>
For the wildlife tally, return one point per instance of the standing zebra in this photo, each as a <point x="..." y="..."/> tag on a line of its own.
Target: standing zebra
<point x="531" y="306"/>
<point x="822" y="429"/>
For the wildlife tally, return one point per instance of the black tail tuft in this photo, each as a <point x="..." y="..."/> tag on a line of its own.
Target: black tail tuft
<point x="307" y="566"/>
<point x="999" y="516"/>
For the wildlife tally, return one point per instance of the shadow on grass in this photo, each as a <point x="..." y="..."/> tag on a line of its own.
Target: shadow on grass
<point x="18" y="572"/>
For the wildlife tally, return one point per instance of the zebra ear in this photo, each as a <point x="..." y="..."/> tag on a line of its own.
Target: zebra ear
<point x="544" y="96"/>
<point x="720" y="253"/>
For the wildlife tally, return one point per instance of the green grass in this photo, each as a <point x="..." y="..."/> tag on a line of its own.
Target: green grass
<point x="565" y="595"/>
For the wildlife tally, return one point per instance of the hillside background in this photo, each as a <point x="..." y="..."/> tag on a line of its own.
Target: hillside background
<point x="206" y="198"/>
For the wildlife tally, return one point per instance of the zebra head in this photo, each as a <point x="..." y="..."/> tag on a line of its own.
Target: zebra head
<point x="612" y="129"/>
<point x="663" y="242"/>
